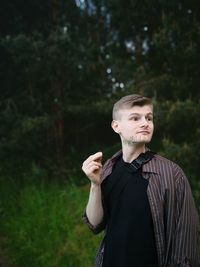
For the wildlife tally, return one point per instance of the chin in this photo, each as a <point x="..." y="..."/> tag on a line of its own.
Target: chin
<point x="142" y="139"/>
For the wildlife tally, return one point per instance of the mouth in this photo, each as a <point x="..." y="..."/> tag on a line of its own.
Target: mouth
<point x="144" y="132"/>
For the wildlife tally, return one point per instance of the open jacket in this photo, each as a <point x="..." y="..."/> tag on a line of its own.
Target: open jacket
<point x="174" y="214"/>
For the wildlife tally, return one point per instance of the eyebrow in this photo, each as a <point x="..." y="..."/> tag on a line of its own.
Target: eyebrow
<point x="138" y="114"/>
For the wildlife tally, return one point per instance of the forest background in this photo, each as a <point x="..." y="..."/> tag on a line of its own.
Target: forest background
<point x="63" y="65"/>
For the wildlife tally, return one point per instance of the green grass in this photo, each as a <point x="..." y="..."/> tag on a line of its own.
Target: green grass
<point x="42" y="226"/>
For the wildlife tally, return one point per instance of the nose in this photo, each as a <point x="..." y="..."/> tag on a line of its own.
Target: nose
<point x="145" y="122"/>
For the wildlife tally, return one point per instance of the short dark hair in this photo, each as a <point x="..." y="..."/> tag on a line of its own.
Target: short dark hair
<point x="129" y="101"/>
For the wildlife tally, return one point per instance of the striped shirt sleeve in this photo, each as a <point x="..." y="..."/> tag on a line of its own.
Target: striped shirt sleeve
<point x="184" y="249"/>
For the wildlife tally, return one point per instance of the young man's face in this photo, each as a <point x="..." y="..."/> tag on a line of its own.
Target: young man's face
<point x="135" y="125"/>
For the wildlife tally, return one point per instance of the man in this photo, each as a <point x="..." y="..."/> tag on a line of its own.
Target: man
<point x="142" y="200"/>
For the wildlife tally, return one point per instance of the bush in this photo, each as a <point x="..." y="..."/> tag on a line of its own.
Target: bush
<point x="43" y="226"/>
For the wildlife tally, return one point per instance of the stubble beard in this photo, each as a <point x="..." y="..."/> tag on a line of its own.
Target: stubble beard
<point x="132" y="141"/>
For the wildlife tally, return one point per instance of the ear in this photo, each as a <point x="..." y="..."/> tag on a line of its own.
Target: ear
<point x="115" y="126"/>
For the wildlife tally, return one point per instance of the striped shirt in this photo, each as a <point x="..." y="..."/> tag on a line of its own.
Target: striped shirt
<point x="173" y="211"/>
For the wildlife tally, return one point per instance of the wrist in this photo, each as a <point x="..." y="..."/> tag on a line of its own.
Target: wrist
<point x="95" y="185"/>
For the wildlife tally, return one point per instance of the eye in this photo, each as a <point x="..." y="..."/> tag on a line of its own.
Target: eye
<point x="150" y="118"/>
<point x="134" y="118"/>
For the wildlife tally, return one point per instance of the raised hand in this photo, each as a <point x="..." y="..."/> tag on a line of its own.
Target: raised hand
<point x="92" y="167"/>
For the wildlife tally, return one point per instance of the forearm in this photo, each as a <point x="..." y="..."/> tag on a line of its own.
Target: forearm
<point x="94" y="209"/>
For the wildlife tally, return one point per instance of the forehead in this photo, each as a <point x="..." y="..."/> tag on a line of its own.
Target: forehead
<point x="141" y="110"/>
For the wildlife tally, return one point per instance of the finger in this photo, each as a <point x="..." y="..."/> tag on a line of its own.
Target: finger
<point x="93" y="169"/>
<point x="90" y="172"/>
<point x="95" y="157"/>
<point x="91" y="164"/>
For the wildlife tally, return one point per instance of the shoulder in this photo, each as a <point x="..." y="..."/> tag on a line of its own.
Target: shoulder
<point x="163" y="160"/>
<point x="166" y="163"/>
<point x="165" y="167"/>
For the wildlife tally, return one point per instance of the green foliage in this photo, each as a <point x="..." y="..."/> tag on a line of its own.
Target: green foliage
<point x="63" y="65"/>
<point x="61" y="78"/>
<point x="43" y="226"/>
<point x="177" y="129"/>
<point x="179" y="153"/>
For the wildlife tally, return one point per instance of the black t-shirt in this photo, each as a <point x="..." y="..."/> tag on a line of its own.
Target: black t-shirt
<point x="129" y="240"/>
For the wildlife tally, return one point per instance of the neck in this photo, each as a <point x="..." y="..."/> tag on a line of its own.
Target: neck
<point x="129" y="153"/>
